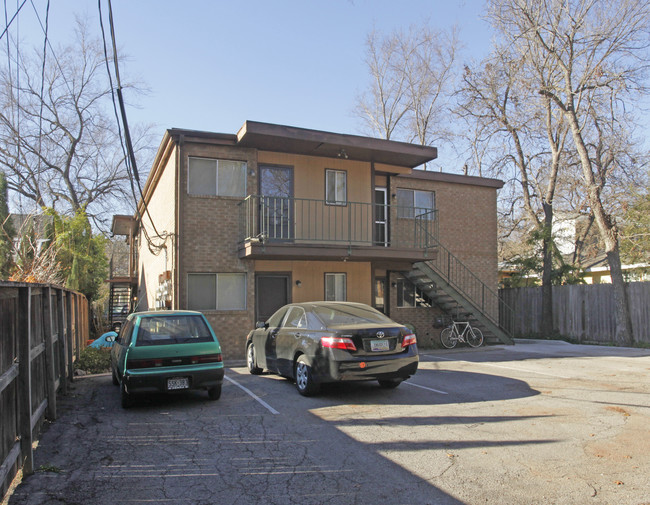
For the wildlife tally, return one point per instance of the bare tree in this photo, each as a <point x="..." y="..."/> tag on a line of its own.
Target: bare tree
<point x="601" y="50"/>
<point x="59" y="140"/>
<point x="499" y="99"/>
<point x="412" y="80"/>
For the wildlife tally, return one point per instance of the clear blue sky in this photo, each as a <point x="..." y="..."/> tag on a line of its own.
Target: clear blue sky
<point x="212" y="64"/>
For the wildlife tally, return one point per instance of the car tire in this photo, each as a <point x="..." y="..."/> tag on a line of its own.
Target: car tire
<point x="125" y="397"/>
<point x="251" y="361"/>
<point x="304" y="381"/>
<point x="115" y="381"/>
<point x="214" y="393"/>
<point x="389" y="383"/>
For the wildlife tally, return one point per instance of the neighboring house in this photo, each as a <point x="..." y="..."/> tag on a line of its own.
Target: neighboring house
<point x="238" y="225"/>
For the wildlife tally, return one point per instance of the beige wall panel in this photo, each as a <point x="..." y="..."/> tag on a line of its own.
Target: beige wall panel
<point x="311" y="274"/>
<point x="154" y="260"/>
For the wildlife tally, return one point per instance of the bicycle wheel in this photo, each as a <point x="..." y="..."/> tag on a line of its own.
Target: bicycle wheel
<point x="474" y="337"/>
<point x="448" y="339"/>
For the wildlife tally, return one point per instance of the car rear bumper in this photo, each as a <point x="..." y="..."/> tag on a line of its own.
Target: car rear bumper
<point x="155" y="381"/>
<point x="325" y="369"/>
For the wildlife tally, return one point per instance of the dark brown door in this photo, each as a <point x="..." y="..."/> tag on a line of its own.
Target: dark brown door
<point x="271" y="293"/>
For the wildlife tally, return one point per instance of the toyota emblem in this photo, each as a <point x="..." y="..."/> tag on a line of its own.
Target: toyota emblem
<point x="380" y="334"/>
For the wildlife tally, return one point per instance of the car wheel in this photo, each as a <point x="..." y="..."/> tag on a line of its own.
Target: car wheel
<point x="251" y="361"/>
<point x="389" y="383"/>
<point x="304" y="382"/>
<point x="214" y="393"/>
<point x="115" y="381"/>
<point x="127" y="401"/>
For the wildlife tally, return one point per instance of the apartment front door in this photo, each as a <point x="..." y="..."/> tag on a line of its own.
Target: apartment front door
<point x="276" y="202"/>
<point x="272" y="291"/>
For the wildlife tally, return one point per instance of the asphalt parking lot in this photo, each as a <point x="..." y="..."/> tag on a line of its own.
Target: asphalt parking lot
<point x="534" y="423"/>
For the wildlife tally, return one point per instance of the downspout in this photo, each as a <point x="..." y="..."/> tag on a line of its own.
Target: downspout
<point x="178" y="217"/>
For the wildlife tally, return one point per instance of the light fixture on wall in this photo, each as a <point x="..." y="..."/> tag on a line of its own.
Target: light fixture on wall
<point x="298" y="283"/>
<point x="393" y="284"/>
<point x="342" y="154"/>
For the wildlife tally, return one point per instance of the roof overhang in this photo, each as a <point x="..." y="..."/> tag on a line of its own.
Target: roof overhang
<point x="290" y="139"/>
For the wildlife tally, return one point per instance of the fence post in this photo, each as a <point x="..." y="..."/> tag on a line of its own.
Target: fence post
<point x="50" y="368"/>
<point x="25" y="377"/>
<point x="69" y="339"/>
<point x="60" y="316"/>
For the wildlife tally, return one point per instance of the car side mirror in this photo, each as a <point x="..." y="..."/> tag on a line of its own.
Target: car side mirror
<point x="260" y="324"/>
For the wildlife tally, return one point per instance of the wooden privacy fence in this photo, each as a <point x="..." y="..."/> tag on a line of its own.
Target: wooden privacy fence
<point x="583" y="312"/>
<point x="41" y="328"/>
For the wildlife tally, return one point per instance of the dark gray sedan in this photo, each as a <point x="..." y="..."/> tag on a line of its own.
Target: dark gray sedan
<point x="319" y="342"/>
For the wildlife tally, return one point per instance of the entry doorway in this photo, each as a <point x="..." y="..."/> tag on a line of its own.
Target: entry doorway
<point x="381" y="217"/>
<point x="272" y="291"/>
<point x="276" y="205"/>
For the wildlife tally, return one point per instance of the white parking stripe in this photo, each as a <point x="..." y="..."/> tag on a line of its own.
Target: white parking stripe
<point x="501" y="366"/>
<point x="253" y="395"/>
<point x="424" y="387"/>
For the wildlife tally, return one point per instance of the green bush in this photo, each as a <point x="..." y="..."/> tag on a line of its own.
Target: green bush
<point x="93" y="360"/>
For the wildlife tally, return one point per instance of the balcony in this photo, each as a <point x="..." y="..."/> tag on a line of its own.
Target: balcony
<point x="304" y="229"/>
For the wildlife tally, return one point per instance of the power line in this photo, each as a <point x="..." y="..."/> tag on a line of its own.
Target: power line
<point x="12" y="19"/>
<point x="130" y="160"/>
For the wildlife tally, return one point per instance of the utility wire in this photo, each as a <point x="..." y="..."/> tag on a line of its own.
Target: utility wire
<point x="12" y="19"/>
<point x="130" y="154"/>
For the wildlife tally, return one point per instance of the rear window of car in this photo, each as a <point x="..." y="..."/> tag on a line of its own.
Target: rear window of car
<point x="166" y="330"/>
<point x="333" y="315"/>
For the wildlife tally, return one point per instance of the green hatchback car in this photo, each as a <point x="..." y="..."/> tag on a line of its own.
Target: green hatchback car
<point x="166" y="352"/>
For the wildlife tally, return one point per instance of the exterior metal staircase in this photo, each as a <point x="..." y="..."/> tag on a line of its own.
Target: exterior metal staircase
<point x="462" y="295"/>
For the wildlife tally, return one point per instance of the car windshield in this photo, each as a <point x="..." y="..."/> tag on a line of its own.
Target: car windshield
<point x="165" y="330"/>
<point x="341" y="314"/>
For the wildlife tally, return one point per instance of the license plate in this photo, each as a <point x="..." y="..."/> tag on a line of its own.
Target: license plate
<point x="379" y="345"/>
<point x="178" y="383"/>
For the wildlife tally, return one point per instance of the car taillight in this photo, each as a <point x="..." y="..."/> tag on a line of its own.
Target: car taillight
<point x="143" y="363"/>
<point x="409" y="340"/>
<point x="207" y="358"/>
<point x="338" y="343"/>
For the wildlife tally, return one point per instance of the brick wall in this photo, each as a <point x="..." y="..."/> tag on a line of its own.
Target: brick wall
<point x="208" y="244"/>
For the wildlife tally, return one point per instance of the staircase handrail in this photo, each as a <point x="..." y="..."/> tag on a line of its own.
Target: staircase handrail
<point x="490" y="301"/>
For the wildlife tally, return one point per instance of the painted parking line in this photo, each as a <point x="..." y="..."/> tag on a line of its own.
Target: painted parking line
<point x="424" y="387"/>
<point x="253" y="395"/>
<point x="517" y="369"/>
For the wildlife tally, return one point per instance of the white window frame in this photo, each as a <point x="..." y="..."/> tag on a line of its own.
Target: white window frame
<point x="340" y="281"/>
<point x="408" y="211"/>
<point x="217" y="306"/>
<point x="337" y="198"/>
<point x="215" y="192"/>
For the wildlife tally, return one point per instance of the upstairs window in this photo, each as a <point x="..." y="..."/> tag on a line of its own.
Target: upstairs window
<point x="413" y="203"/>
<point x="336" y="187"/>
<point x="216" y="177"/>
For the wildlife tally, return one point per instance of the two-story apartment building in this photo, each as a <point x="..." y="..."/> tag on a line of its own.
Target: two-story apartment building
<point x="238" y="225"/>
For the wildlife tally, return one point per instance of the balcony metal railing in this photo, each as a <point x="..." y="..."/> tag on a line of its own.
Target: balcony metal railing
<point x="308" y="221"/>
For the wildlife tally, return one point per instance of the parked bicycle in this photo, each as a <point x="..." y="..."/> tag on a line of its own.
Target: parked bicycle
<point x="461" y="331"/>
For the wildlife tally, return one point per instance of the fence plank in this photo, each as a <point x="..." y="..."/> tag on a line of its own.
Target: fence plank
<point x="25" y="377"/>
<point x="50" y="369"/>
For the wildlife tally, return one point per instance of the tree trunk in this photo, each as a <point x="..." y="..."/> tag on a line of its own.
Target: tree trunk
<point x="609" y="235"/>
<point x="547" y="272"/>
